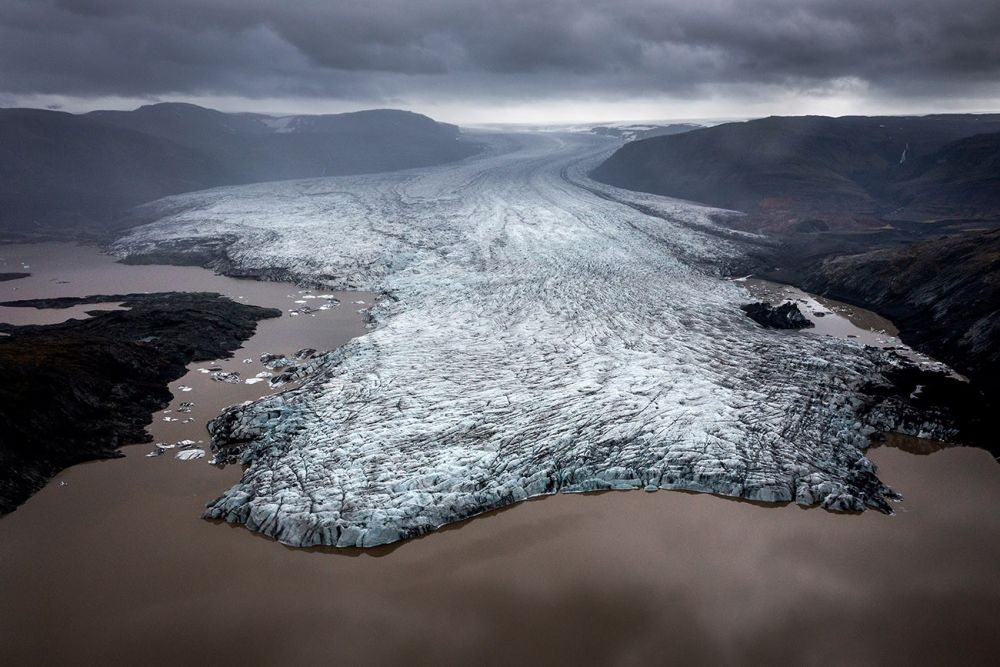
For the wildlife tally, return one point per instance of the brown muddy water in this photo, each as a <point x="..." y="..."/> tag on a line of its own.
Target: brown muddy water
<point x="110" y="564"/>
<point x="837" y="319"/>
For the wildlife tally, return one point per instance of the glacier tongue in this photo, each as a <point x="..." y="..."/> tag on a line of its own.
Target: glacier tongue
<point x="539" y="336"/>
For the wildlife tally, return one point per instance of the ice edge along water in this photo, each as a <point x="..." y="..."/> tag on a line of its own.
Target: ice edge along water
<point x="541" y="333"/>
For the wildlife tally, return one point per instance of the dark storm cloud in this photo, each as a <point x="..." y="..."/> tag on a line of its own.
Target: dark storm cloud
<point x="391" y="49"/>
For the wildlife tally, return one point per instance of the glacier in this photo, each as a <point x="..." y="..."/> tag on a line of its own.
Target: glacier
<point x="538" y="332"/>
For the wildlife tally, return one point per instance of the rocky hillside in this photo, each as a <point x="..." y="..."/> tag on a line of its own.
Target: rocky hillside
<point x="64" y="174"/>
<point x="255" y="147"/>
<point x="942" y="293"/>
<point x="827" y="172"/>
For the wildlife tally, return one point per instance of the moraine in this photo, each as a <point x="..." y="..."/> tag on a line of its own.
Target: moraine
<point x="539" y="332"/>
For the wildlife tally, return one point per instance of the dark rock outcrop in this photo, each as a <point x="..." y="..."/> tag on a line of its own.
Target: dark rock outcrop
<point x="785" y="316"/>
<point x="78" y="390"/>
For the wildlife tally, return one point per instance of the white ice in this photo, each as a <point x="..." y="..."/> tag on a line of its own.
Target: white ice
<point x="541" y="333"/>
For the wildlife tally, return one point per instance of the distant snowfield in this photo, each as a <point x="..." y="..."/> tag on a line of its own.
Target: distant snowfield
<point x="540" y="335"/>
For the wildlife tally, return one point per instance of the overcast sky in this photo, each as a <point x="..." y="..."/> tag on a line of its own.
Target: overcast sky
<point x="507" y="60"/>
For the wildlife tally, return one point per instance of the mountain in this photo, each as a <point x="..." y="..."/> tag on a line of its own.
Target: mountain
<point x="942" y="293"/>
<point x="267" y="148"/>
<point x="60" y="171"/>
<point x="962" y="180"/>
<point x="76" y="174"/>
<point x="839" y="171"/>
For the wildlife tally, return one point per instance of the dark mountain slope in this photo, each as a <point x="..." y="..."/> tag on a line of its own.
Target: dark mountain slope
<point x="786" y="170"/>
<point x="942" y="293"/>
<point x="62" y="174"/>
<point x="962" y="180"/>
<point x="264" y="148"/>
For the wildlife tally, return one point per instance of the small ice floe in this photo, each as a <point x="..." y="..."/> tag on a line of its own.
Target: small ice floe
<point x="253" y="380"/>
<point x="185" y="443"/>
<point x="185" y="406"/>
<point x="305" y="353"/>
<point x="359" y="302"/>
<point x="190" y="454"/>
<point x="184" y="387"/>
<point x="166" y="445"/>
<point x="248" y="361"/>
<point x="300" y="301"/>
<point x="62" y="483"/>
<point x="274" y="361"/>
<point x="227" y="377"/>
<point x="170" y="419"/>
<point x="204" y="370"/>
<point x="153" y="454"/>
<point x="264" y="374"/>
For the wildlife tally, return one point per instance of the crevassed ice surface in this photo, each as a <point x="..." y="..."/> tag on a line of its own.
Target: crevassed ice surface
<point x="543" y="333"/>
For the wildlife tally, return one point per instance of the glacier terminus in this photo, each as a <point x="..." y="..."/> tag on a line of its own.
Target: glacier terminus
<point x="538" y="332"/>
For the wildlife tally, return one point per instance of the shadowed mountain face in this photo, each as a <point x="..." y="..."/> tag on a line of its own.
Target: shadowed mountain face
<point x="824" y="171"/>
<point x="60" y="171"/>
<point x="943" y="293"/>
<point x="64" y="173"/>
<point x="266" y="148"/>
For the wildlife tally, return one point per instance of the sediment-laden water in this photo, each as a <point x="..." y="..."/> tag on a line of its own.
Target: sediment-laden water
<point x="111" y="564"/>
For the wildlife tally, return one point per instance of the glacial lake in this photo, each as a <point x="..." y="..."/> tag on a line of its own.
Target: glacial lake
<point x="111" y="564"/>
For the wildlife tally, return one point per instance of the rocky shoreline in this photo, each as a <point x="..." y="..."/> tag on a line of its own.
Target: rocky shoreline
<point x="78" y="390"/>
<point x="941" y="293"/>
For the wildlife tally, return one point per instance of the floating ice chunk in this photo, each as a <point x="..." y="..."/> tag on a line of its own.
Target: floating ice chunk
<point x="184" y="387"/>
<point x="229" y="377"/>
<point x="190" y="454"/>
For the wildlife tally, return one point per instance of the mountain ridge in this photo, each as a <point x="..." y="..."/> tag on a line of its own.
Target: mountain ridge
<point x="77" y="174"/>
